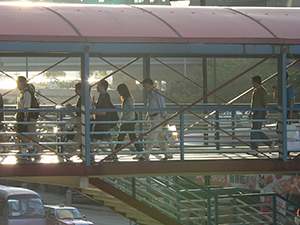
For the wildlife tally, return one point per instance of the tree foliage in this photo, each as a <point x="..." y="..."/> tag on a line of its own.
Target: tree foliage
<point x="54" y="74"/>
<point x="226" y="69"/>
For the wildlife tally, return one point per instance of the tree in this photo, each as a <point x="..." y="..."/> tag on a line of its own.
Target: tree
<point x="226" y="70"/>
<point x="54" y="74"/>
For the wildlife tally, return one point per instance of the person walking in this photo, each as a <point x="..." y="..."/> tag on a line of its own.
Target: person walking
<point x="33" y="117"/>
<point x="77" y="126"/>
<point x="103" y="102"/>
<point x="157" y="101"/>
<point x="259" y="99"/>
<point x="290" y="97"/>
<point x="23" y="102"/>
<point x="2" y="137"/>
<point x="129" y="117"/>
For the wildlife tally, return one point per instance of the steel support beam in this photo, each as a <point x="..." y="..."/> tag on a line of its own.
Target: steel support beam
<point x="172" y="168"/>
<point x="146" y="74"/>
<point x="282" y="105"/>
<point x="85" y="106"/>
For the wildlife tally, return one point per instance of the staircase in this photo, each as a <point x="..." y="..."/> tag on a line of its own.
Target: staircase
<point x="176" y="200"/>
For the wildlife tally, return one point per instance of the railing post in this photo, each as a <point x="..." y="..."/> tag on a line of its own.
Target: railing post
<point x="178" y="206"/>
<point x="274" y="210"/>
<point x="234" y="207"/>
<point x="85" y="107"/>
<point x="182" y="136"/>
<point x="60" y="128"/>
<point x="217" y="134"/>
<point x="233" y="127"/>
<point x="216" y="210"/>
<point x="133" y="187"/>
<point x="282" y="104"/>
<point x="207" y="184"/>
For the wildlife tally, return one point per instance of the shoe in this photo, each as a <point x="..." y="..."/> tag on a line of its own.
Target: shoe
<point x="113" y="158"/>
<point x="21" y="154"/>
<point x="138" y="156"/>
<point x="37" y="159"/>
<point x="252" y="153"/>
<point x="143" y="158"/>
<point x="166" y="158"/>
<point x="272" y="145"/>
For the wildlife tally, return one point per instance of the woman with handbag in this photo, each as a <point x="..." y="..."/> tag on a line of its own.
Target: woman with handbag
<point x="129" y="117"/>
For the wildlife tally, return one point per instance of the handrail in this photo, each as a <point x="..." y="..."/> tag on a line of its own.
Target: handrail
<point x="164" y="193"/>
<point x="147" y="194"/>
<point x="200" y="136"/>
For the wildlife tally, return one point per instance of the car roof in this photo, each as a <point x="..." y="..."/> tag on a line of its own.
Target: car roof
<point x="59" y="207"/>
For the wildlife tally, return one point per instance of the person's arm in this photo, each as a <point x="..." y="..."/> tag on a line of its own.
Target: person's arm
<point x="266" y="112"/>
<point x="27" y="103"/>
<point x="104" y="104"/>
<point x="162" y="105"/>
<point x="275" y="94"/>
<point x="69" y="106"/>
<point x="250" y="115"/>
<point x="291" y="97"/>
<point x="290" y="113"/>
<point x="129" y="103"/>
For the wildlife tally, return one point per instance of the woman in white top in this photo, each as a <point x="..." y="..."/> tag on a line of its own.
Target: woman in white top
<point x="130" y="116"/>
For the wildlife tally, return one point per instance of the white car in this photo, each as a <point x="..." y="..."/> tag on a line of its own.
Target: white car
<point x="64" y="215"/>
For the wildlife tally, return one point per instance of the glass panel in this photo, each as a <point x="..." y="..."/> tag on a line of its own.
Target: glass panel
<point x="25" y="207"/>
<point x="68" y="214"/>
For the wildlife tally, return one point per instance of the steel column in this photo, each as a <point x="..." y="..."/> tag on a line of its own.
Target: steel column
<point x="85" y="107"/>
<point x="204" y="69"/>
<point x="274" y="210"/>
<point x="282" y="102"/>
<point x="182" y="136"/>
<point x="208" y="205"/>
<point x="146" y="74"/>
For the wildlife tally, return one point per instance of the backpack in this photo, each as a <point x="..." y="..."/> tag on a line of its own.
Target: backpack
<point x="114" y="117"/>
<point x="35" y="105"/>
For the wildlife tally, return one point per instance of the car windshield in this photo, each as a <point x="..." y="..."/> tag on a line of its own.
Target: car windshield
<point x="68" y="214"/>
<point x="25" y="207"/>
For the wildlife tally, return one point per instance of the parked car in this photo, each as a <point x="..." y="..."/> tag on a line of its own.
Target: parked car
<point x="60" y="214"/>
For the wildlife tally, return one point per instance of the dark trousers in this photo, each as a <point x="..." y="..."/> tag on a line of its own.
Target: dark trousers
<point x="132" y="136"/>
<point x="258" y="135"/>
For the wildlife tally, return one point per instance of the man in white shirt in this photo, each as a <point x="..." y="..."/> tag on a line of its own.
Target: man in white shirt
<point x="155" y="100"/>
<point x="23" y="102"/>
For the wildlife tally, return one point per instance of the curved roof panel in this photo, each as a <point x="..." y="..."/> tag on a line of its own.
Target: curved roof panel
<point x="148" y="24"/>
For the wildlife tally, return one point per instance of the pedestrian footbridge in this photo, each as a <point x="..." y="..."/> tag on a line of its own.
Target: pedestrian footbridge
<point x="206" y="139"/>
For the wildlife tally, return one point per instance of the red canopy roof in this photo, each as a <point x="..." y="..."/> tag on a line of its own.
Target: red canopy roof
<point x="148" y="24"/>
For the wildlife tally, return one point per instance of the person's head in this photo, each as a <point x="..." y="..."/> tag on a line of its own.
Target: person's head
<point x="102" y="86"/>
<point x="78" y="89"/>
<point x="123" y="91"/>
<point x="148" y="84"/>
<point x="21" y="82"/>
<point x="256" y="81"/>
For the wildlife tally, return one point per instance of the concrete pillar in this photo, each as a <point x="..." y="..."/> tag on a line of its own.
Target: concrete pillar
<point x="69" y="197"/>
<point x="84" y="182"/>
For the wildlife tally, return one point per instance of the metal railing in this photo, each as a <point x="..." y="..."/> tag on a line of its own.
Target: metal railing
<point x="190" y="203"/>
<point x="228" y="131"/>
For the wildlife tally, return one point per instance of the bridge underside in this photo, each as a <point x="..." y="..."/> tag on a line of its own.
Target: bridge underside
<point x="57" y="174"/>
